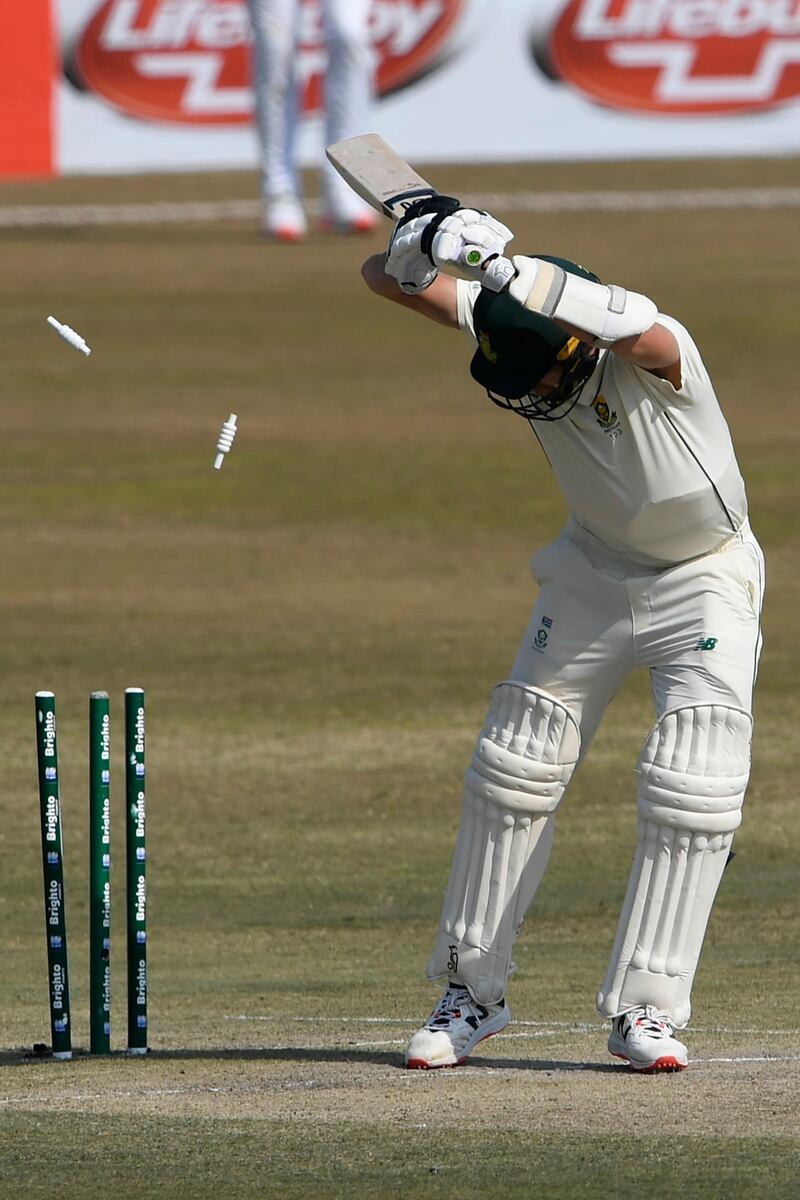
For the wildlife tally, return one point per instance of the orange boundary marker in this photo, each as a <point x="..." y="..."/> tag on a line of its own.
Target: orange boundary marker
<point x="27" y="86"/>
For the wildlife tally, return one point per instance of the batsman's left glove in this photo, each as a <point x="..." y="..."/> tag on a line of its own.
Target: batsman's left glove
<point x="409" y="259"/>
<point x="406" y="262"/>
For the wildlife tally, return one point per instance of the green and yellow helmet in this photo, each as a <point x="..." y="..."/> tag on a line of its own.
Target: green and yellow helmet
<point x="517" y="347"/>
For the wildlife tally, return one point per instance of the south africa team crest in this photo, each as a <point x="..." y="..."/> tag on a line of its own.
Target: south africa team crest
<point x="606" y="417"/>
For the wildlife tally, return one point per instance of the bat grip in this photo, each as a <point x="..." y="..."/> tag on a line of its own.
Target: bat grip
<point x="441" y="207"/>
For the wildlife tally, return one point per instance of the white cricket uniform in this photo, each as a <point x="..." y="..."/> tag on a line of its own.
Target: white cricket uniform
<point x="277" y="30"/>
<point x="657" y="566"/>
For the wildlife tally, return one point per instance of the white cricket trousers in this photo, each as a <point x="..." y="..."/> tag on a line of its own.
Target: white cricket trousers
<point x="597" y="617"/>
<point x="348" y="89"/>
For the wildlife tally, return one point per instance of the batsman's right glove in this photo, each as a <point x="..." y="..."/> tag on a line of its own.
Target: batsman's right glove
<point x="474" y="242"/>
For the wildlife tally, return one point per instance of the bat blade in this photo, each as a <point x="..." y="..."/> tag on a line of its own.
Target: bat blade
<point x="379" y="175"/>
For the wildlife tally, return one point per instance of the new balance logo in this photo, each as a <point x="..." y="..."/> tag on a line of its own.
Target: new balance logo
<point x="474" y="1021"/>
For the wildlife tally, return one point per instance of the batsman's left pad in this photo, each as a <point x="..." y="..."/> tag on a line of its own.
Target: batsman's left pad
<point x="693" y="771"/>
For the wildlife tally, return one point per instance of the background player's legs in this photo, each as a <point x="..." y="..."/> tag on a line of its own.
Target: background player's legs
<point x="348" y="100"/>
<point x="275" y="32"/>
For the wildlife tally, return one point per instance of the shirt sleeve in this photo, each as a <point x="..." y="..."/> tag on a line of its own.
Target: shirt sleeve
<point x="467" y="292"/>
<point x="695" y="380"/>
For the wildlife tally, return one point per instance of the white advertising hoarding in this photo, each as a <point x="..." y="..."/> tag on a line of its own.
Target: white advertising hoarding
<point x="165" y="84"/>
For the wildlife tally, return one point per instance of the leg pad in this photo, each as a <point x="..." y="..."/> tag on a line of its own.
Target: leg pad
<point x="525" y="756"/>
<point x="693" y="772"/>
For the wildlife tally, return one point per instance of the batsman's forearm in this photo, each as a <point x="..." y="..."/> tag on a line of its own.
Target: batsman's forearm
<point x="439" y="302"/>
<point x="604" y="313"/>
<point x="373" y="273"/>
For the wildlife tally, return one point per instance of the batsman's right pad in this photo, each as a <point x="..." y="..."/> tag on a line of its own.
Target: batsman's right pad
<point x="693" y="772"/>
<point x="524" y="759"/>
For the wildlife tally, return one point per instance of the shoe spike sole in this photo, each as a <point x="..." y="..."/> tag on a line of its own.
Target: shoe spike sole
<point x="662" y="1066"/>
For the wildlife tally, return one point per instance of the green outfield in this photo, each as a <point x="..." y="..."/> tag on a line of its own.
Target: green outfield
<point x="318" y="627"/>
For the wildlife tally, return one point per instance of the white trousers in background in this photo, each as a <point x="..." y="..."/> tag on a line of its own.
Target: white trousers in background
<point x="348" y="89"/>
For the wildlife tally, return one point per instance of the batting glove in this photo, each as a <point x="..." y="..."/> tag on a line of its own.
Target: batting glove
<point x="474" y="242"/>
<point x="406" y="261"/>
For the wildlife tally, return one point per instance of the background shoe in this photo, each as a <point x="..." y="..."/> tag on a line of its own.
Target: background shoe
<point x="365" y="221"/>
<point x="453" y="1029"/>
<point x="284" y="219"/>
<point x="644" y="1036"/>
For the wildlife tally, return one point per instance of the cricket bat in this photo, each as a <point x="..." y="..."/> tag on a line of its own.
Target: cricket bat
<point x="381" y="177"/>
<point x="378" y="174"/>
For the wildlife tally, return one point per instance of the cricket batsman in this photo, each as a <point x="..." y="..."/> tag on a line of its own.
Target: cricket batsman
<point x="656" y="568"/>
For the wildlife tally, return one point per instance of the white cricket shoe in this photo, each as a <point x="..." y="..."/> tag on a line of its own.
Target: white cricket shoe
<point x="453" y="1029"/>
<point x="644" y="1036"/>
<point x="358" y="220"/>
<point x="284" y="219"/>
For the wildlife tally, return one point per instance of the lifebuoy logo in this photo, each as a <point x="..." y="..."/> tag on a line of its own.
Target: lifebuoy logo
<point x="189" y="60"/>
<point x="678" y="56"/>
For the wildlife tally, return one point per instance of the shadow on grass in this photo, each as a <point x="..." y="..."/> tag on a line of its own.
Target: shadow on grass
<point x="305" y="1054"/>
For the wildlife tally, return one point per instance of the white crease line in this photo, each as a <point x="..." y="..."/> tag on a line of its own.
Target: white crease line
<point x="324" y="1020"/>
<point x="80" y="1097"/>
<point x="32" y="216"/>
<point x="755" y="1058"/>
<point x="556" y="1026"/>
<point x="68" y="216"/>
<point x="543" y="1033"/>
<point x="414" y="1021"/>
<point x="389" y="1042"/>
<point x="723" y="1029"/>
<point x="649" y="201"/>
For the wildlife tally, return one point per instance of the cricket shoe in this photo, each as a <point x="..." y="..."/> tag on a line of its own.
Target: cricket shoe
<point x="453" y="1030"/>
<point x="284" y="219"/>
<point x="364" y="221"/>
<point x="644" y="1036"/>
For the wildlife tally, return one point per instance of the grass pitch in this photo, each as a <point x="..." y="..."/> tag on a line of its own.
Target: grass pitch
<point x="317" y="628"/>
